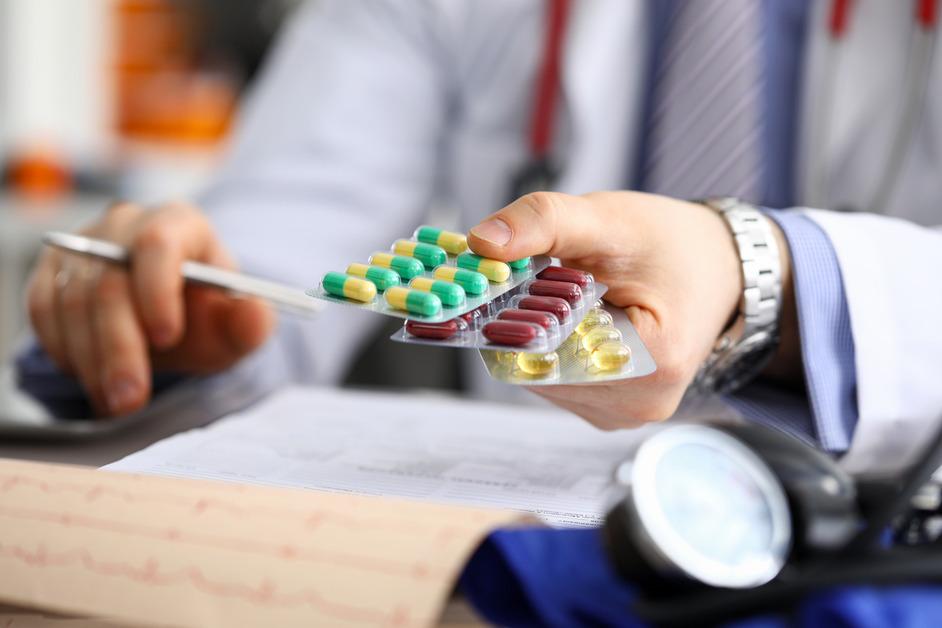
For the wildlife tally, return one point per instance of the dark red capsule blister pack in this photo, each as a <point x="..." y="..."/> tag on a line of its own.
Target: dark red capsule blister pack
<point x="536" y="317"/>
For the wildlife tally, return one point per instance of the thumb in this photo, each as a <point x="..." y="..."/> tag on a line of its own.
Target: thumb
<point x="548" y="223"/>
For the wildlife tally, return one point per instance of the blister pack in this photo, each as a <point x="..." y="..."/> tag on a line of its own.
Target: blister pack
<point x="603" y="347"/>
<point x="430" y="278"/>
<point x="535" y="317"/>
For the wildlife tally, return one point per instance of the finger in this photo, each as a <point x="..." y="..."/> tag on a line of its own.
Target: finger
<point x="121" y="344"/>
<point x="248" y="324"/>
<point x="159" y="250"/>
<point x="73" y="316"/>
<point x="549" y="223"/>
<point x="220" y="330"/>
<point x="41" y="302"/>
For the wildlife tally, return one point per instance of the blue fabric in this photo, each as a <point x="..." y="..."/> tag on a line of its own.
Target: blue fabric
<point x="543" y="577"/>
<point x="546" y="577"/>
<point x="61" y="394"/>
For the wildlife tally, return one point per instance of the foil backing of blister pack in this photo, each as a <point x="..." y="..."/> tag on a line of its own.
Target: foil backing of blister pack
<point x="495" y="291"/>
<point x="573" y="365"/>
<point x="473" y="336"/>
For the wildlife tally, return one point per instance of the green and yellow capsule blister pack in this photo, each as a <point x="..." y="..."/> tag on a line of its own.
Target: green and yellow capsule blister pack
<point x="430" y="278"/>
<point x="603" y="347"/>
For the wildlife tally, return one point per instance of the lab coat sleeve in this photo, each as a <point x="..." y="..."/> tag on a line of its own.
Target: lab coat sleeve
<point x="336" y="155"/>
<point x="890" y="270"/>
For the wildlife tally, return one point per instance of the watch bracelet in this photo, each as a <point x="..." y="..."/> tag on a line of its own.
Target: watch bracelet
<point x="759" y="305"/>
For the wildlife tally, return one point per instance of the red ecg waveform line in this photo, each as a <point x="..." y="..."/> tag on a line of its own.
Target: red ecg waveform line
<point x="265" y="594"/>
<point x="311" y="518"/>
<point x="278" y="551"/>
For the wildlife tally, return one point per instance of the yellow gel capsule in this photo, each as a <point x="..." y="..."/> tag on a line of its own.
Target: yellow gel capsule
<point x="505" y="358"/>
<point x="611" y="355"/>
<point x="599" y="335"/>
<point x="537" y="363"/>
<point x="596" y="317"/>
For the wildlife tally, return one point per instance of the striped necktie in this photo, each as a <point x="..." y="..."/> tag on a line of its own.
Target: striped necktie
<point x="705" y="125"/>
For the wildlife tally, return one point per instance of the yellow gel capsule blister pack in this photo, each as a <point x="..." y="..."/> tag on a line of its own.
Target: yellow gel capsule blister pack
<point x="603" y="347"/>
<point x="431" y="277"/>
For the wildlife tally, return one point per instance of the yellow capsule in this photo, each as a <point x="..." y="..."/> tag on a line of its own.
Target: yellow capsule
<point x="599" y="335"/>
<point x="537" y="363"/>
<point x="596" y="317"/>
<point x="505" y="358"/>
<point x="611" y="355"/>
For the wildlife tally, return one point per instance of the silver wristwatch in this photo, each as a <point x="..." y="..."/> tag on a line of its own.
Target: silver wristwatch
<point x="747" y="345"/>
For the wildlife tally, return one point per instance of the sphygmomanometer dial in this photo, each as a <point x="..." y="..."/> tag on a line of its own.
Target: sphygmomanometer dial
<point x="703" y="505"/>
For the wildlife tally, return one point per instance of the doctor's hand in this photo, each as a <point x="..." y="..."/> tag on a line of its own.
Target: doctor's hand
<point x="111" y="327"/>
<point x="673" y="266"/>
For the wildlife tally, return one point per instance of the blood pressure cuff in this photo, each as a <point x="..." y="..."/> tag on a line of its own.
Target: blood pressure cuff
<point x="546" y="577"/>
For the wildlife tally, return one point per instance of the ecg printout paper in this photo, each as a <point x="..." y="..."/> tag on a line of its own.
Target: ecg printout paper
<point x="535" y="460"/>
<point x="147" y="550"/>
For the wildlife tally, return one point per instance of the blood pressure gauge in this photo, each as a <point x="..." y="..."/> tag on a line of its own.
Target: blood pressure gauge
<point x="702" y="505"/>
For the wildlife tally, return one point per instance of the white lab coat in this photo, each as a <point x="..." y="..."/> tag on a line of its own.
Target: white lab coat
<point x="370" y="112"/>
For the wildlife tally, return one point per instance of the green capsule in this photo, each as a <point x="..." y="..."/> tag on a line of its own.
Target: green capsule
<point x="406" y="267"/>
<point x="414" y="301"/>
<point x="496" y="271"/>
<point x="472" y="282"/>
<point x="451" y="294"/>
<point x="452" y="242"/>
<point x="381" y="277"/>
<point x="520" y="264"/>
<point x="341" y="285"/>
<point x="429" y="254"/>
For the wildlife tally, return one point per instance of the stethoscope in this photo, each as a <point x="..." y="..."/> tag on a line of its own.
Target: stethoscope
<point x="542" y="168"/>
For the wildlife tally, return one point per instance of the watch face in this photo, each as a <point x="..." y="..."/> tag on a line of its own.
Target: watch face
<point x="710" y="507"/>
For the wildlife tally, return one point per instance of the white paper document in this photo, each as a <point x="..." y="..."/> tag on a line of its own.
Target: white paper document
<point x="536" y="460"/>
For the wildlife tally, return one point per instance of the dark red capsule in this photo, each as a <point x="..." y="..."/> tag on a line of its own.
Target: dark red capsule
<point x="554" y="305"/>
<point x="559" y="289"/>
<point x="433" y="331"/>
<point x="570" y="275"/>
<point x="544" y="319"/>
<point x="511" y="333"/>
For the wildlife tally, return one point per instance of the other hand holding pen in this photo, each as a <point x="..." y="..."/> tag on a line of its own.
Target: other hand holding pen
<point x="112" y="327"/>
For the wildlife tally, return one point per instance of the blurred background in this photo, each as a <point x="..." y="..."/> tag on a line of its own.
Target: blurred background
<point x="105" y="99"/>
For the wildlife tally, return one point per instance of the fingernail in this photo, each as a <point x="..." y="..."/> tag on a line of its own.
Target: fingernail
<point x="495" y="231"/>
<point x="123" y="393"/>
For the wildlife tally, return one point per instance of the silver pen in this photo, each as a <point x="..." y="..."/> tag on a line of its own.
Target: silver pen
<point x="280" y="295"/>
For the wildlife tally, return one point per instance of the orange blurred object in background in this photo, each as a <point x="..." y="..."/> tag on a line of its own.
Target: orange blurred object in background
<point x="39" y="174"/>
<point x="162" y="93"/>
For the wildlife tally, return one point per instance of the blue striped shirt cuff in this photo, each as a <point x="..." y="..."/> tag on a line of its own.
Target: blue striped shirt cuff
<point x="828" y="414"/>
